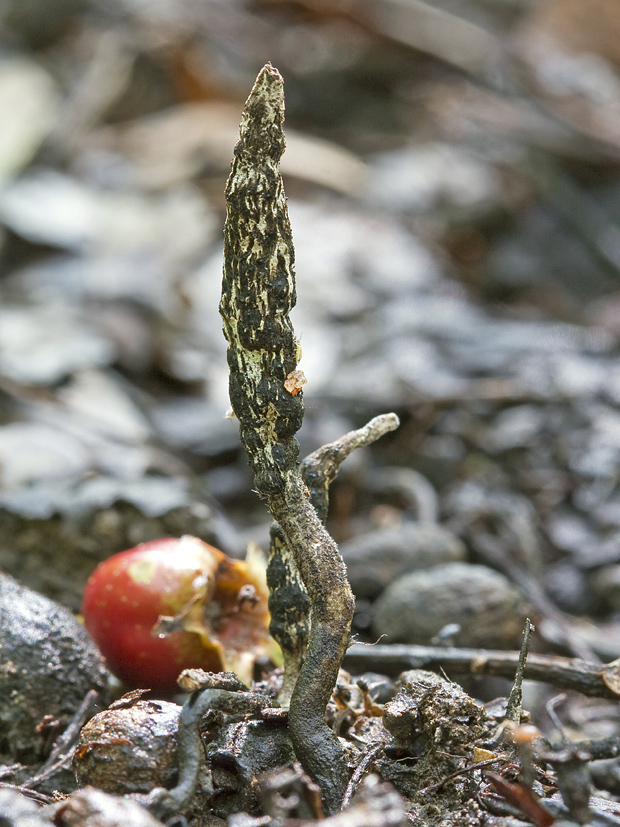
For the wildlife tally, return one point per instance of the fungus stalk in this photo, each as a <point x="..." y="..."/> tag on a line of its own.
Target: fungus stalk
<point x="288" y="602"/>
<point x="258" y="292"/>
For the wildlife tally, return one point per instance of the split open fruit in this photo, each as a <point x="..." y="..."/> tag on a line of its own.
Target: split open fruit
<point x="176" y="604"/>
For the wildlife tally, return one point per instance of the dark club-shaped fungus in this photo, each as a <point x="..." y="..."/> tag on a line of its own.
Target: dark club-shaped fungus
<point x="258" y="292"/>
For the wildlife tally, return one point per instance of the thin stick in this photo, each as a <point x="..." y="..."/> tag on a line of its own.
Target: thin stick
<point x="362" y="768"/>
<point x="63" y="748"/>
<point x="593" y="679"/>
<point x="515" y="699"/>
<point x="27" y="792"/>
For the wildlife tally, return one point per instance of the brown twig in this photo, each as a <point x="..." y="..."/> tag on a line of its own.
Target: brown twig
<point x="62" y="752"/>
<point x="515" y="699"/>
<point x="481" y="765"/>
<point x="27" y="792"/>
<point x="593" y="679"/>
<point x="362" y="768"/>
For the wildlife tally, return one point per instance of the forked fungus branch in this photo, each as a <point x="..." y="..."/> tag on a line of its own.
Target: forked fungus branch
<point x="258" y="292"/>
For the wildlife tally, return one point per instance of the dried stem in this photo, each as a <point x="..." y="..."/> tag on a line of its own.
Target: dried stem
<point x="515" y="699"/>
<point x="258" y="292"/>
<point x="593" y="679"/>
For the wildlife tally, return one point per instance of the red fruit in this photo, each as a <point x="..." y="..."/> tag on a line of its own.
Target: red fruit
<point x="172" y="604"/>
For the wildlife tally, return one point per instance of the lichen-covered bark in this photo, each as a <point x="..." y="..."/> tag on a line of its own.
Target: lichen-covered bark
<point x="258" y="291"/>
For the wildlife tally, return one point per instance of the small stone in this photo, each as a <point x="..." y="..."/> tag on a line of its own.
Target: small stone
<point x="130" y="750"/>
<point x="605" y="583"/>
<point x="375" y="559"/>
<point x="489" y="610"/>
<point x="18" y="811"/>
<point x="94" y="808"/>
<point x="48" y="665"/>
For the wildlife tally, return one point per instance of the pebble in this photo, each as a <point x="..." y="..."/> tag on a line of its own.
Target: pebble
<point x="605" y="584"/>
<point x="487" y="608"/>
<point x="94" y="808"/>
<point x="375" y="559"/>
<point x="48" y="665"/>
<point x="129" y="750"/>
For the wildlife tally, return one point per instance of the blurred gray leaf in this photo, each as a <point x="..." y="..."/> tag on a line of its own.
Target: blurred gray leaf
<point x="32" y="452"/>
<point x="41" y="345"/>
<point x="153" y="496"/>
<point x="28" y="109"/>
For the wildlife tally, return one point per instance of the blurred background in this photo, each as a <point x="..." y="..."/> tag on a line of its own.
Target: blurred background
<point x="453" y="178"/>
